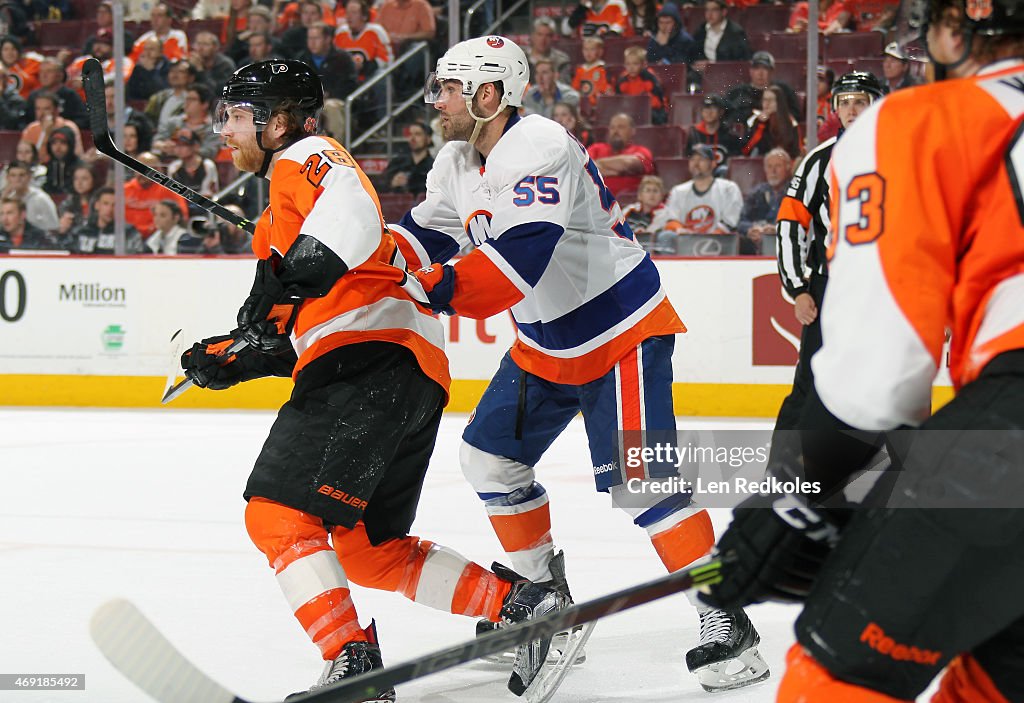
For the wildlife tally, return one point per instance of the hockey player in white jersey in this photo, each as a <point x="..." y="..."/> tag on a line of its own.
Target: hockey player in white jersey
<point x="595" y="330"/>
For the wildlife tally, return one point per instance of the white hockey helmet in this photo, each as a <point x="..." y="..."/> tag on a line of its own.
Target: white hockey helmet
<point x="482" y="60"/>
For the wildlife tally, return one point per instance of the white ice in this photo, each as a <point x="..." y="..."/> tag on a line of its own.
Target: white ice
<point x="146" y="505"/>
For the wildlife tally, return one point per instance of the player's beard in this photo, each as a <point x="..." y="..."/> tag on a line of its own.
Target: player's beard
<point x="248" y="156"/>
<point x="458" y="128"/>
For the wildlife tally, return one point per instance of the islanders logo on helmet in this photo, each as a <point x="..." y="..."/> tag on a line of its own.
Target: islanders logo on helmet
<point x="978" y="10"/>
<point x="495" y="42"/>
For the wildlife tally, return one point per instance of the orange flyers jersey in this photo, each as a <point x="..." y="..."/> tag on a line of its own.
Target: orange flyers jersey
<point x="318" y="190"/>
<point x="927" y="233"/>
<point x="613" y="17"/>
<point x="23" y="76"/>
<point x="372" y="44"/>
<point x="591" y="81"/>
<point x="175" y="45"/>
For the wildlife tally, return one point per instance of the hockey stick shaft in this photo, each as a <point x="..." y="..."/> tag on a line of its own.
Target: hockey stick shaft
<point x="361" y="687"/>
<point x="92" y="82"/>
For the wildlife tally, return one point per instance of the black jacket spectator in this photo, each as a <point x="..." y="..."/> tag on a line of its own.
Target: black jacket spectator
<point x="723" y="141"/>
<point x="417" y="173"/>
<point x="337" y="70"/>
<point x="144" y="83"/>
<point x="33" y="238"/>
<point x="679" y="47"/>
<point x="12" y="111"/>
<point x="744" y="99"/>
<point x="733" y="47"/>
<point x="61" y="167"/>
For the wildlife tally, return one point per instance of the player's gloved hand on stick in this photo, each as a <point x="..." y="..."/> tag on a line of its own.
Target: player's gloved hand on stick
<point x="773" y="550"/>
<point x="209" y="365"/>
<point x="268" y="314"/>
<point x="438" y="282"/>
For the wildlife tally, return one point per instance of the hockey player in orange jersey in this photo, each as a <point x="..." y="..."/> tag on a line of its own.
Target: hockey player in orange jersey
<point x="334" y="491"/>
<point x="927" y="235"/>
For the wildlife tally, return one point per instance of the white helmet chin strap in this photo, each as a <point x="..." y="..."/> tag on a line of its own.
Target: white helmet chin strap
<point x="481" y="121"/>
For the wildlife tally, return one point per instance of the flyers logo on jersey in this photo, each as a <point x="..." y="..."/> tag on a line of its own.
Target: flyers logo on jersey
<point x="495" y="42"/>
<point x="478" y="226"/>
<point x="978" y="10"/>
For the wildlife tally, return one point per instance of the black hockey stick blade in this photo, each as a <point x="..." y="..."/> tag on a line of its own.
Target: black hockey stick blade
<point x="137" y="649"/>
<point x="95" y="100"/>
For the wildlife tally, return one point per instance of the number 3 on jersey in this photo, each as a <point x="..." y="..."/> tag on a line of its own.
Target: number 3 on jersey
<point x="317" y="165"/>
<point x="868" y="191"/>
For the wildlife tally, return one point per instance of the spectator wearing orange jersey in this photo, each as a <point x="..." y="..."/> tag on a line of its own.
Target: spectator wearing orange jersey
<point x="833" y="16"/>
<point x="542" y="47"/>
<point x="591" y="78"/>
<point x="366" y="42"/>
<point x="173" y="41"/>
<point x="638" y="80"/>
<point x="140" y="194"/>
<point x="102" y="51"/>
<point x="596" y="18"/>
<point x="621" y="162"/>
<point x="22" y="67"/>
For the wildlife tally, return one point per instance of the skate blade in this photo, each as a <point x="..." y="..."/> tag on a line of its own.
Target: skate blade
<point x="559" y="643"/>
<point x="745" y="670"/>
<point x="551" y="676"/>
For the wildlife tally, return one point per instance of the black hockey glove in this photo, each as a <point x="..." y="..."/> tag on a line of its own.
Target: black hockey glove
<point x="773" y="550"/>
<point x="209" y="366"/>
<point x="267" y="315"/>
<point x="309" y="270"/>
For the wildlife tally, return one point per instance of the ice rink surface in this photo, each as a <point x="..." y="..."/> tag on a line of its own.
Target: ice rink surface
<point x="146" y="505"/>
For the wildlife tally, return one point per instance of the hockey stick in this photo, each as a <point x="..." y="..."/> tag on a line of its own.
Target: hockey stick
<point x="92" y="83"/>
<point x="137" y="649"/>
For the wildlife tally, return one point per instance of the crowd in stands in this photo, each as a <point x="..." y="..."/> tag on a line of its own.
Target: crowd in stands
<point x="694" y="113"/>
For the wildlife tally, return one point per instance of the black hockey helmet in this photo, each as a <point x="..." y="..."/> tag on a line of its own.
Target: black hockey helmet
<point x="980" y="17"/>
<point x="265" y="85"/>
<point x="985" y="17"/>
<point x="857" y="82"/>
<point x="268" y="86"/>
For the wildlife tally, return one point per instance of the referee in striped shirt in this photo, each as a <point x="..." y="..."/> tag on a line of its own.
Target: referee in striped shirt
<point x="803" y="230"/>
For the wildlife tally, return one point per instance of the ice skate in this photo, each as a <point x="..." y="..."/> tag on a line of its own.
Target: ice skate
<point x="356" y="658"/>
<point x="561" y="641"/>
<point x="527" y="601"/>
<point x="727" y="656"/>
